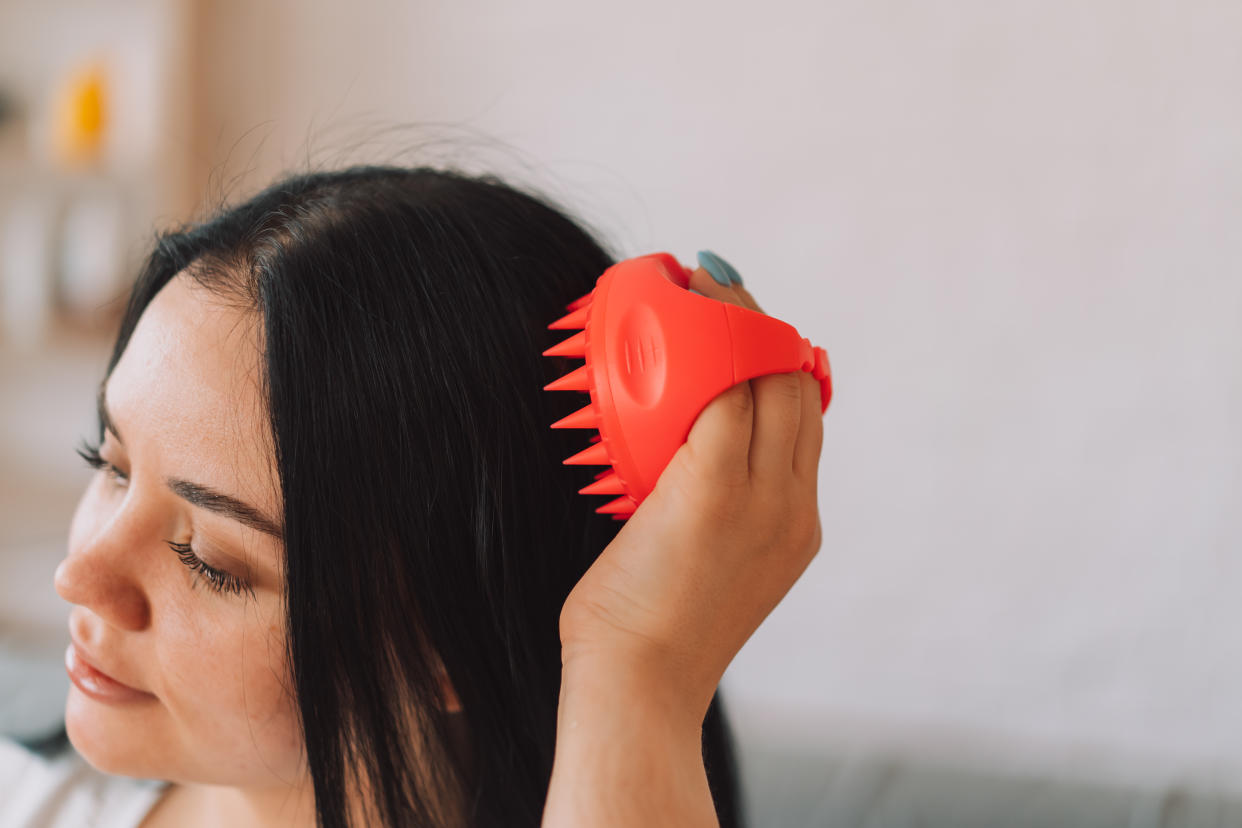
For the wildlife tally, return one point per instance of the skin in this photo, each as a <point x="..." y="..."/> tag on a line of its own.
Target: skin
<point x="646" y="634"/>
<point x="220" y="723"/>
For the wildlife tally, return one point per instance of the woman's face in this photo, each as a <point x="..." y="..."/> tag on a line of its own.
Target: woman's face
<point x="189" y="482"/>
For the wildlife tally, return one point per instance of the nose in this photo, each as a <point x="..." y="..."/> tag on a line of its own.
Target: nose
<point x="95" y="576"/>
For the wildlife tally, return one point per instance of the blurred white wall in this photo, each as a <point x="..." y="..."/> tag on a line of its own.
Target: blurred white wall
<point x="1017" y="230"/>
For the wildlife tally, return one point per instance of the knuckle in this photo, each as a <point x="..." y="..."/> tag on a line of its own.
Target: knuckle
<point x="809" y="383"/>
<point x="784" y="388"/>
<point x="805" y="527"/>
<point x="740" y="399"/>
<point x="704" y="486"/>
<point x="790" y="383"/>
<point x="781" y="396"/>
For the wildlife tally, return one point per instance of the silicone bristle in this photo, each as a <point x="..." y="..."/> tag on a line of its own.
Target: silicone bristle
<point x="577" y="319"/>
<point x="596" y="455"/>
<point x="584" y="417"/>
<point x="608" y="485"/>
<point x="577" y="380"/>
<point x="621" y="506"/>
<point x="584" y="299"/>
<point x="575" y="346"/>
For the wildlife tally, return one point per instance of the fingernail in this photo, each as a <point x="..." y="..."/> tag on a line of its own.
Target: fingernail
<point x="716" y="266"/>
<point x="721" y="268"/>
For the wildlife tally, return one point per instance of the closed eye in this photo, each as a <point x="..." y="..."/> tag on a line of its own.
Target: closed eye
<point x="90" y="453"/>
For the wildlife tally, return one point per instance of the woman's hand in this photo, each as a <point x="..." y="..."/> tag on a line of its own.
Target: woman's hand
<point x="649" y="629"/>
<point x="731" y="524"/>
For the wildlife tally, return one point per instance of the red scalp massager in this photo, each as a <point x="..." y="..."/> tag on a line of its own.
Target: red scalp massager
<point x="656" y="355"/>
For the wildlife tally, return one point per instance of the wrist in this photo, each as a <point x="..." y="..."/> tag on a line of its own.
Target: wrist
<point x="628" y="749"/>
<point x="664" y="685"/>
<point x="644" y="689"/>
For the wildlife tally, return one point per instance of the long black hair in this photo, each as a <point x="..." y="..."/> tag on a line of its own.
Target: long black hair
<point x="427" y="513"/>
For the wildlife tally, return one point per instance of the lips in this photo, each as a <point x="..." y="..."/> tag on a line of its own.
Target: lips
<point x="97" y="684"/>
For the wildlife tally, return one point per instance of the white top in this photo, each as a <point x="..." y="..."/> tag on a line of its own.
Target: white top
<point x="63" y="791"/>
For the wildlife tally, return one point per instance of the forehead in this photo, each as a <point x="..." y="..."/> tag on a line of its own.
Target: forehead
<point x="186" y="392"/>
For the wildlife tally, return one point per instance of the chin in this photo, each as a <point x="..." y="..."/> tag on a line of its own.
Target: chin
<point x="112" y="741"/>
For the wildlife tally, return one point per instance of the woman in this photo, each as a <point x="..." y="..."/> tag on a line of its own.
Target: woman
<point x="335" y="565"/>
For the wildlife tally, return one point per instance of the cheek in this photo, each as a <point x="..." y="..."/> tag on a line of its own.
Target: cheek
<point x="269" y="708"/>
<point x="227" y="683"/>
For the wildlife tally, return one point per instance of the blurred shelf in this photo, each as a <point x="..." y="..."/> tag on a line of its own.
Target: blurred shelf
<point x="46" y="406"/>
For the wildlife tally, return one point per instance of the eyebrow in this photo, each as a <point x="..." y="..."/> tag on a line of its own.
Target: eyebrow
<point x="197" y="494"/>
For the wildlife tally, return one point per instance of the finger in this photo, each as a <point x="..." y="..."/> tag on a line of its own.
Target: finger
<point x="810" y="431"/>
<point x="727" y="275"/>
<point x="750" y="300"/>
<point x="703" y="282"/>
<point x="778" y="409"/>
<point x="719" y="440"/>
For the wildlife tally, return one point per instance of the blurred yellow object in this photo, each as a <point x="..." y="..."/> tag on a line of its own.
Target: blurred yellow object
<point x="81" y="116"/>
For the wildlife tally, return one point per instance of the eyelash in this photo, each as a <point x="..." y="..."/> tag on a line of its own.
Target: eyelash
<point x="217" y="580"/>
<point x="90" y="453"/>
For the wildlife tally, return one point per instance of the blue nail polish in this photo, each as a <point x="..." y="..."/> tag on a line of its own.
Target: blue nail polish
<point x="716" y="266"/>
